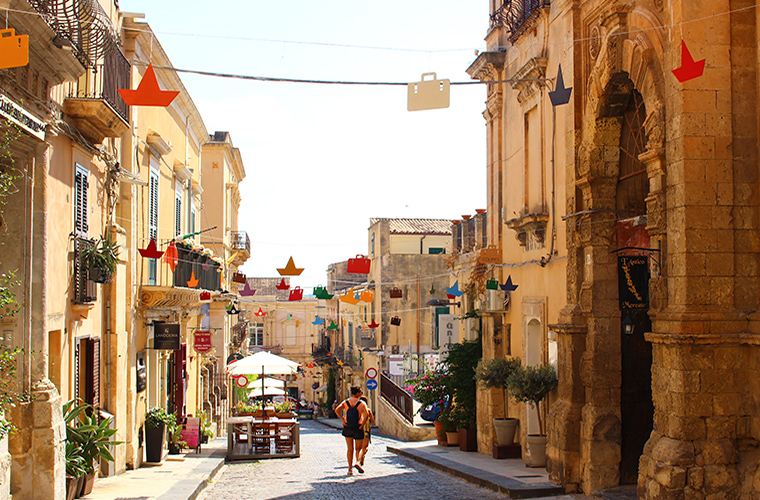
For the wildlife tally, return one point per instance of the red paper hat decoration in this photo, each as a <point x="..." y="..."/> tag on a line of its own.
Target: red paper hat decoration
<point x="193" y="281"/>
<point x="148" y="93"/>
<point x="290" y="269"/>
<point x="260" y="313"/>
<point x="151" y="252"/>
<point x="170" y="256"/>
<point x="247" y="291"/>
<point x="373" y="324"/>
<point x="282" y="285"/>
<point x="14" y="49"/>
<point x="689" y="68"/>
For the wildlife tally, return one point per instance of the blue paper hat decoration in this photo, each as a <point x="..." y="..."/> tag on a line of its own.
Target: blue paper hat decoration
<point x="508" y="286"/>
<point x="454" y="290"/>
<point x="561" y="94"/>
<point x="318" y="321"/>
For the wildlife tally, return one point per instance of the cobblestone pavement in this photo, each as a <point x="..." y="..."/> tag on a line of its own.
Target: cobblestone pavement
<point x="320" y="474"/>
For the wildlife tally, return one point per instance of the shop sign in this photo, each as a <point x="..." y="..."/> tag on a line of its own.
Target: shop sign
<point x="165" y="335"/>
<point x="22" y="118"/>
<point x="202" y="341"/>
<point x="633" y="282"/>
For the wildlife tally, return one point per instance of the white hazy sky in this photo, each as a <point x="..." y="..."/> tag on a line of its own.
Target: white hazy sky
<point x="321" y="160"/>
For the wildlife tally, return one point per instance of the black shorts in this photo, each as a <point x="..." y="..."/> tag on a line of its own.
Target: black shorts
<point x="353" y="432"/>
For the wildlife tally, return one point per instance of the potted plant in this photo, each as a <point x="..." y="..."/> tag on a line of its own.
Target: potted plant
<point x="430" y="389"/>
<point x="101" y="259"/>
<point x="493" y="374"/>
<point x="283" y="409"/>
<point x="460" y="362"/>
<point x="531" y="385"/>
<point x="450" y="422"/>
<point x="174" y="430"/>
<point x="243" y="408"/>
<point x="206" y="432"/>
<point x="156" y="421"/>
<point x="75" y="470"/>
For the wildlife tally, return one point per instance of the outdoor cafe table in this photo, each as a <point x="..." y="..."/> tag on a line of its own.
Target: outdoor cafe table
<point x="243" y="432"/>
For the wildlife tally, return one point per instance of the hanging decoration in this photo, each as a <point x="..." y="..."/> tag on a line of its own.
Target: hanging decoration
<point x="170" y="256"/>
<point x="205" y="295"/>
<point x="247" y="291"/>
<point x="428" y="94"/>
<point x="333" y="325"/>
<point x="396" y="293"/>
<point x="432" y="289"/>
<point x="260" y="313"/>
<point x="14" y="49"/>
<point x="193" y="281"/>
<point x="296" y="294"/>
<point x="290" y="269"/>
<point x="689" y="69"/>
<point x="282" y="285"/>
<point x="320" y="292"/>
<point x="339" y="363"/>
<point x="231" y="309"/>
<point x="561" y="94"/>
<point x="358" y="265"/>
<point x="373" y="324"/>
<point x="492" y="284"/>
<point x="238" y="278"/>
<point x="453" y="291"/>
<point x="367" y="296"/>
<point x="508" y="286"/>
<point x="148" y="93"/>
<point x="151" y="252"/>
<point x="206" y="266"/>
<point x="318" y="321"/>
<point x="395" y="321"/>
<point x="349" y="298"/>
<point x="490" y="255"/>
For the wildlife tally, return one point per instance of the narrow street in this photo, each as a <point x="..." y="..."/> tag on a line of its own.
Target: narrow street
<point x="320" y="473"/>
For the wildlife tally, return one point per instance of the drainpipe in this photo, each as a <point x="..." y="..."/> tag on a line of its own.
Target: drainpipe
<point x="546" y="259"/>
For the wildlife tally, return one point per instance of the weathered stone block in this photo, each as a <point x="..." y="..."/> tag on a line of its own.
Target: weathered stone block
<point x="696" y="478"/>
<point x="673" y="452"/>
<point x="669" y="476"/>
<point x="720" y="452"/>
<point x="719" y="381"/>
<point x="721" y="479"/>
<point x="721" y="427"/>
<point x="728" y="404"/>
<point x="684" y="381"/>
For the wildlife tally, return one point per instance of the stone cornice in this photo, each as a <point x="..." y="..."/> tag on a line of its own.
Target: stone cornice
<point x="534" y="69"/>
<point x="704" y="338"/>
<point x="488" y="66"/>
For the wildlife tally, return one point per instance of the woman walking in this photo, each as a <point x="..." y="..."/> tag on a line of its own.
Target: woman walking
<point x="353" y="413"/>
<point x="366" y="427"/>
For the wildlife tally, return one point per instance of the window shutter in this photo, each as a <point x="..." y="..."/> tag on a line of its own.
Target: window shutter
<point x="85" y="189"/>
<point x="177" y="216"/>
<point x="95" y="353"/>
<point x="76" y="369"/>
<point x="153" y="209"/>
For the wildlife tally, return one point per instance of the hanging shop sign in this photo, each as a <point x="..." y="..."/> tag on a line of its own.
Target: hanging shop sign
<point x="202" y="341"/>
<point x="633" y="282"/>
<point x="165" y="335"/>
<point x="22" y="118"/>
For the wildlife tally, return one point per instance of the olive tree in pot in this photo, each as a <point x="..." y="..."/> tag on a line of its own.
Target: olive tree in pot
<point x="493" y="374"/>
<point x="531" y="385"/>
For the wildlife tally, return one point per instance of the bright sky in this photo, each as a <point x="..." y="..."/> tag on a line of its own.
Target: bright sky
<point x="321" y="160"/>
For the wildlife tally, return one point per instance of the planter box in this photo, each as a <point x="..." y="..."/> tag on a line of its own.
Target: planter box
<point x="506" y="451"/>
<point x="154" y="443"/>
<point x="468" y="439"/>
<point x="99" y="275"/>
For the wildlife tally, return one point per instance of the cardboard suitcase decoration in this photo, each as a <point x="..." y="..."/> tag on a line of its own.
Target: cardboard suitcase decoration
<point x="396" y="321"/>
<point x="238" y="278"/>
<point x="492" y="284"/>
<point x="359" y="265"/>
<point x="367" y="296"/>
<point x="14" y="49"/>
<point x="428" y="94"/>
<point x="490" y="255"/>
<point x="396" y="293"/>
<point x="296" y="294"/>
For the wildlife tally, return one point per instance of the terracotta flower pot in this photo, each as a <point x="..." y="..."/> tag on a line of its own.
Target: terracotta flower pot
<point x="505" y="430"/>
<point x="452" y="438"/>
<point x="440" y="434"/>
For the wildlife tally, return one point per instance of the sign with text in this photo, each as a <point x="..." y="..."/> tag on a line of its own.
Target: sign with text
<point x="202" y="341"/>
<point x="633" y="282"/>
<point x="22" y="118"/>
<point x="192" y="432"/>
<point x="165" y="335"/>
<point x="396" y="364"/>
<point x="448" y="330"/>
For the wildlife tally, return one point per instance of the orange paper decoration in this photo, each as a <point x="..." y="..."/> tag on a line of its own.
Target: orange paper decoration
<point x="290" y="269"/>
<point x="14" y="49"/>
<point x="349" y="298"/>
<point x="151" y="252"/>
<point x="193" y="281"/>
<point x="170" y="256"/>
<point x="148" y="93"/>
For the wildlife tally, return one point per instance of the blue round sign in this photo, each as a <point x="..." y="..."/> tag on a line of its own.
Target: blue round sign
<point x="371" y="384"/>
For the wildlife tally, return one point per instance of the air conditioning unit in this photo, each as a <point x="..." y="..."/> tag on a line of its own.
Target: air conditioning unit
<point x="497" y="300"/>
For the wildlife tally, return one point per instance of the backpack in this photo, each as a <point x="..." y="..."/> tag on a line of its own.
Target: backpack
<point x="352" y="415"/>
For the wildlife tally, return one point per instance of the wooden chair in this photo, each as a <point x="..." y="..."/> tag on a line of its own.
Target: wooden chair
<point x="262" y="437"/>
<point x="284" y="438"/>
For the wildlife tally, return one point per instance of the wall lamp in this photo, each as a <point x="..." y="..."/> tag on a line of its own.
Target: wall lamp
<point x="441" y="303"/>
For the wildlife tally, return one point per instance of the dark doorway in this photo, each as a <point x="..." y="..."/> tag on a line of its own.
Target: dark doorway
<point x="177" y="382"/>
<point x="636" y="406"/>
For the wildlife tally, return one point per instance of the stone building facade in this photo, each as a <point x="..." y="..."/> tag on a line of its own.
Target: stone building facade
<point x="661" y="180"/>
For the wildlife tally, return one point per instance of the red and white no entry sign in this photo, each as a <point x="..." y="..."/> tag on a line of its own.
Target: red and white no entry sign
<point x="371" y="373"/>
<point x="242" y="381"/>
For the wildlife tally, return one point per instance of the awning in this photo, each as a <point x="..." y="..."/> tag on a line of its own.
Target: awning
<point x="321" y="388"/>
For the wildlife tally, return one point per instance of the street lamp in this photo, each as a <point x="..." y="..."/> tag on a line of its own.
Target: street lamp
<point x="441" y="303"/>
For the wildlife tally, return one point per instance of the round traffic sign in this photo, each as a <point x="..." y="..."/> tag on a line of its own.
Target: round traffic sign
<point x="371" y="372"/>
<point x="371" y="384"/>
<point x="242" y="381"/>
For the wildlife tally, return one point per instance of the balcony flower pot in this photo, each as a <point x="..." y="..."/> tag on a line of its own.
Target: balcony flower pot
<point x="505" y="430"/>
<point x="99" y="275"/>
<point x="101" y="259"/>
<point x="537" y="450"/>
<point x="452" y="438"/>
<point x="468" y="439"/>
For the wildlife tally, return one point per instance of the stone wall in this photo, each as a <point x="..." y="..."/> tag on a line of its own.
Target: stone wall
<point x="391" y="423"/>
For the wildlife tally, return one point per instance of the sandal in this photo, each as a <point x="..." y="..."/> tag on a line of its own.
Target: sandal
<point x="350" y="472"/>
<point x="359" y="468"/>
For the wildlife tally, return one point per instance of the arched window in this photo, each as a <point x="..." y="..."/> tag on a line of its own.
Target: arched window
<point x="633" y="184"/>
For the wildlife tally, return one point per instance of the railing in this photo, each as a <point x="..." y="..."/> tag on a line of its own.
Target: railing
<point x="104" y="80"/>
<point x="191" y="263"/>
<point x="85" y="290"/>
<point x="239" y="241"/>
<point x="513" y="15"/>
<point x="319" y="351"/>
<point x="397" y="397"/>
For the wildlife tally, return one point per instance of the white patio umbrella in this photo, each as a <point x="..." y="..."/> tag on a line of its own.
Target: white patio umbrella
<point x="268" y="391"/>
<point x="264" y="363"/>
<point x="267" y="382"/>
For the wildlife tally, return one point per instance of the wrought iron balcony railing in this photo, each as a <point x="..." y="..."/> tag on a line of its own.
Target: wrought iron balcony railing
<point x="192" y="263"/>
<point x="104" y="80"/>
<point x="239" y="241"/>
<point x="514" y="15"/>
